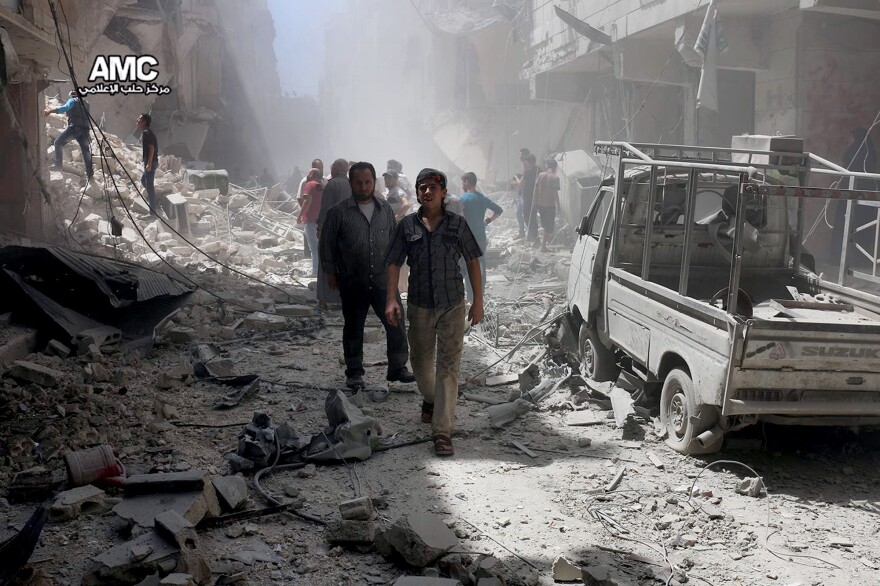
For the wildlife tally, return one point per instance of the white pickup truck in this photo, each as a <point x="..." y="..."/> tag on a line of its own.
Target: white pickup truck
<point x="689" y="270"/>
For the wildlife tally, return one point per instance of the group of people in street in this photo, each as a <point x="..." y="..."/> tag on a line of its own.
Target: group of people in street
<point x="361" y="239"/>
<point x="537" y="199"/>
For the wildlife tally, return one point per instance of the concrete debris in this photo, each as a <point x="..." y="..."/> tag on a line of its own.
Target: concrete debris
<point x="294" y="310"/>
<point x="194" y="506"/>
<point x="131" y="561"/>
<point x="350" y="531"/>
<point x="255" y="551"/>
<point x="655" y="460"/>
<point x="565" y="571"/>
<point x="20" y="343"/>
<point x="72" y="503"/>
<point x="56" y="348"/>
<point x="177" y="529"/>
<point x="232" y="490"/>
<point x="615" y="480"/>
<point x="35" y="373"/>
<point x="420" y="539"/>
<point x="265" y="321"/>
<point x="190" y="480"/>
<point x="752" y="487"/>
<point x="359" y="509"/>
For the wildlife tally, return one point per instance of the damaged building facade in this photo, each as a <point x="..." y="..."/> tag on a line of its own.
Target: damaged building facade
<point x="474" y="81"/>
<point x="224" y="88"/>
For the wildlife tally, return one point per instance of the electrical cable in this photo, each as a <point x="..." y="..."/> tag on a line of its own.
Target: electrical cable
<point x="96" y="129"/>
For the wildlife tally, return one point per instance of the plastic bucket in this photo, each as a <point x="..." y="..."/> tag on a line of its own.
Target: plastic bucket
<point x="86" y="466"/>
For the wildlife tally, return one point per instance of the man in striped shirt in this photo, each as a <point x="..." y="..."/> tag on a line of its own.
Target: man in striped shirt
<point x="353" y="242"/>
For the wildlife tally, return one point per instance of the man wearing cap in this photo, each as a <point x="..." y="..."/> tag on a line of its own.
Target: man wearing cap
<point x="431" y="241"/>
<point x="395" y="195"/>
<point x="353" y="243"/>
<point x="475" y="207"/>
<point x="77" y="111"/>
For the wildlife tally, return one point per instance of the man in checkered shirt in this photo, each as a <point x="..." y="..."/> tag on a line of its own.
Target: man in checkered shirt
<point x="431" y="241"/>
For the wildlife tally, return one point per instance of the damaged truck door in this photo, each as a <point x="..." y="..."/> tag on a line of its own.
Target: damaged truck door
<point x="689" y="270"/>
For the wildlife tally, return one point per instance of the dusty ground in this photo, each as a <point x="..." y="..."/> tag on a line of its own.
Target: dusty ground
<point x="816" y="526"/>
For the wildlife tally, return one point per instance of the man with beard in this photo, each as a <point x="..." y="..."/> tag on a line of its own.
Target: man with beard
<point x="354" y="239"/>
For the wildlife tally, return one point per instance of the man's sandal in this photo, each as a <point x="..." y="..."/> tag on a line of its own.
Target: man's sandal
<point x="443" y="446"/>
<point x="427" y="412"/>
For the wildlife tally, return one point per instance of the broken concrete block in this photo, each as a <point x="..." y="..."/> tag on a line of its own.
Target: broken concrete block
<point x="17" y="347"/>
<point x="143" y="509"/>
<point x="750" y="487"/>
<point x="232" y="491"/>
<point x="265" y="321"/>
<point x="294" y="310"/>
<point x="130" y="562"/>
<point x="56" y="348"/>
<point x="35" y="373"/>
<point x="195" y="565"/>
<point x="177" y="579"/>
<point x="177" y="529"/>
<point x="359" y="509"/>
<point x="565" y="571"/>
<point x="350" y="531"/>
<point x="421" y="539"/>
<point x="529" y="378"/>
<point x="181" y="335"/>
<point x="493" y="581"/>
<point x="70" y="504"/>
<point x="598" y="576"/>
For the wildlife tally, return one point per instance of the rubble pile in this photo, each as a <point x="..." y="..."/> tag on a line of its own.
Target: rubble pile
<point x="252" y="230"/>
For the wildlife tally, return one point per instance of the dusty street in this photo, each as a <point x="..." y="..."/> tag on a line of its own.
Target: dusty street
<point x="816" y="524"/>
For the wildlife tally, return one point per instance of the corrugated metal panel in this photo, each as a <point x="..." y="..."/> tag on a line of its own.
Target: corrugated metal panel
<point x="115" y="277"/>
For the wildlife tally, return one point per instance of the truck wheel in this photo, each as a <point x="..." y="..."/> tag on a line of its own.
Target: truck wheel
<point x="683" y="418"/>
<point x="597" y="361"/>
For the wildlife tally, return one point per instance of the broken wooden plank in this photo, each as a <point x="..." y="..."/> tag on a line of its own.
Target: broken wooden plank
<point x="622" y="404"/>
<point x="522" y="448"/>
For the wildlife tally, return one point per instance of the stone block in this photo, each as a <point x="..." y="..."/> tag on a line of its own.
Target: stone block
<point x="294" y="310"/>
<point x="70" y="504"/>
<point x="181" y="335"/>
<point x="350" y="531"/>
<point x="177" y="529"/>
<point x="143" y="509"/>
<point x="264" y="321"/>
<point x="425" y="581"/>
<point x="231" y="490"/>
<point x="56" y="348"/>
<point x="420" y="539"/>
<point x="190" y="480"/>
<point x="598" y="576"/>
<point x="35" y="373"/>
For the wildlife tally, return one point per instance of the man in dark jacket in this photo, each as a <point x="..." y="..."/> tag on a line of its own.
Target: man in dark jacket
<point x="354" y="239"/>
<point x="77" y="111"/>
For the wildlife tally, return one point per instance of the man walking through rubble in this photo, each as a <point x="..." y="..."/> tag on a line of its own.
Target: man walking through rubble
<point x="336" y="190"/>
<point x="151" y="160"/>
<point x="475" y="207"/>
<point x="431" y="241"/>
<point x="527" y="195"/>
<point x="354" y="239"/>
<point x="77" y="111"/>
<point x="546" y="201"/>
<point x="308" y="217"/>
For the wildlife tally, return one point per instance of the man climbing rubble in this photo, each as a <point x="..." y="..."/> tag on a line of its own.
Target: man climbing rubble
<point x="353" y="243"/>
<point x="431" y="241"/>
<point x="77" y="111"/>
<point x="151" y="160"/>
